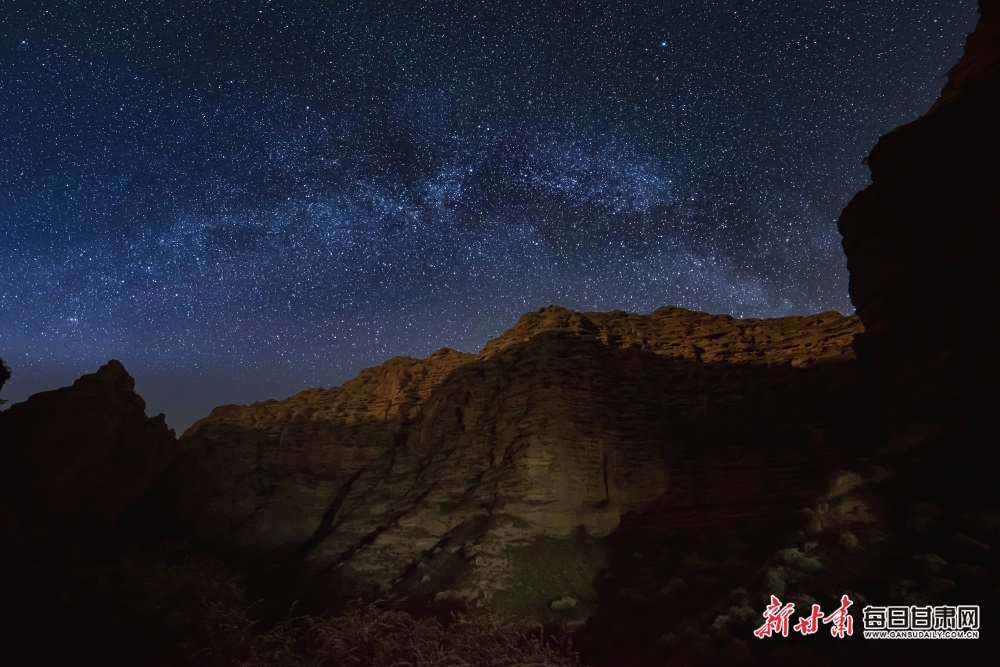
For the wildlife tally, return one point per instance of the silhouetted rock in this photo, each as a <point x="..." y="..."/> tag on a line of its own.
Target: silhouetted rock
<point x="915" y="521"/>
<point x="4" y="376"/>
<point x="649" y="479"/>
<point x="923" y="249"/>
<point x="75" y="460"/>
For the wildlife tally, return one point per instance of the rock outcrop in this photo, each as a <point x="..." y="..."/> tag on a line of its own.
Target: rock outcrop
<point x="74" y="461"/>
<point x="923" y="249"/>
<point x="657" y="477"/>
<point x="489" y="479"/>
<point x="915" y="521"/>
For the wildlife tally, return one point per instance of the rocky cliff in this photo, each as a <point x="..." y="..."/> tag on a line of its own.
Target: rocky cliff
<point x="489" y="479"/>
<point x="922" y="248"/>
<point x="655" y="478"/>
<point x="74" y="461"/>
<point x="915" y="521"/>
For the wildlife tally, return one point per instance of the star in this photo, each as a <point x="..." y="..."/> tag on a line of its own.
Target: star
<point x="243" y="204"/>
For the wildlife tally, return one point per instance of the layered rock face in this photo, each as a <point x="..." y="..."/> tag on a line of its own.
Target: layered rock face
<point x="75" y="460"/>
<point x="491" y="478"/>
<point x="922" y="248"/>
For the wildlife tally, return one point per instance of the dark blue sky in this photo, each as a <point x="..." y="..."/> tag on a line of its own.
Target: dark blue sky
<point x="240" y="200"/>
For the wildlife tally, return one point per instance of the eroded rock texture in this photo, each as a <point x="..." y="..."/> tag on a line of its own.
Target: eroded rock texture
<point x="75" y="460"/>
<point x="491" y="478"/>
<point x="922" y="249"/>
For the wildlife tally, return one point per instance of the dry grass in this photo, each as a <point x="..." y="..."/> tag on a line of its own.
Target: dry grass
<point x="202" y="615"/>
<point x="377" y="635"/>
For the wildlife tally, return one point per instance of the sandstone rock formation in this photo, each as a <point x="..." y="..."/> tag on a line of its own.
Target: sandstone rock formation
<point x="659" y="476"/>
<point x="923" y="245"/>
<point x="489" y="479"/>
<point x="75" y="460"/>
<point x="914" y="522"/>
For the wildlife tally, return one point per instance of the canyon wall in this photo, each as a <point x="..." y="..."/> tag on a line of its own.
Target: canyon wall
<point x="924" y="254"/>
<point x="490" y="479"/>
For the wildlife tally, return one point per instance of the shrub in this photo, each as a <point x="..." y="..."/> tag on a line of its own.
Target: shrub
<point x="774" y="582"/>
<point x="377" y="635"/>
<point x="203" y="607"/>
<point x="672" y="588"/>
<point x="799" y="561"/>
<point x="563" y="604"/>
<point x="843" y="484"/>
<point x="742" y="615"/>
<point x="849" y="540"/>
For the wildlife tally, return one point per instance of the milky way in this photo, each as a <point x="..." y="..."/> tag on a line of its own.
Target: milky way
<point x="244" y="199"/>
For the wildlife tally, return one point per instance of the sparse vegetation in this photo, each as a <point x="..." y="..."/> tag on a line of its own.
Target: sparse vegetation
<point x="672" y="588"/>
<point x="843" y="484"/>
<point x="377" y="635"/>
<point x="774" y="582"/>
<point x="800" y="562"/>
<point x="193" y="609"/>
<point x="742" y="615"/>
<point x="849" y="540"/>
<point x="563" y="604"/>
<point x="930" y="564"/>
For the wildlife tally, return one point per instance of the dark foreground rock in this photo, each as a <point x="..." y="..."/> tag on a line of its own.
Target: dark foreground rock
<point x="923" y="244"/>
<point x="75" y="461"/>
<point x="649" y="481"/>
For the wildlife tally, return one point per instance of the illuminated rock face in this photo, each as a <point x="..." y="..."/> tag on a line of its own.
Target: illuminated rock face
<point x="456" y="476"/>
<point x="923" y="249"/>
<point x="76" y="460"/>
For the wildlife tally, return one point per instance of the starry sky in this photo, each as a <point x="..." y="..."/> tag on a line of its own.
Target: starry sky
<point x="243" y="199"/>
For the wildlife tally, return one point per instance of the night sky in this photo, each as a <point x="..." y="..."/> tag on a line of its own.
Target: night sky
<point x="240" y="200"/>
